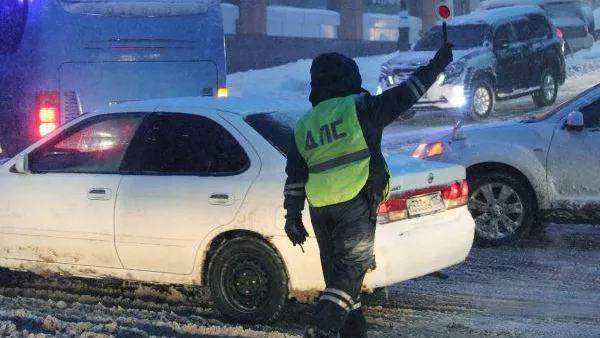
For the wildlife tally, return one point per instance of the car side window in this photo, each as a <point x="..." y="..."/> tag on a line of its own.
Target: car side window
<point x="503" y="34"/>
<point x="95" y="145"/>
<point x="539" y="26"/>
<point x="185" y="144"/>
<point x="591" y="114"/>
<point x="13" y="18"/>
<point x="523" y="30"/>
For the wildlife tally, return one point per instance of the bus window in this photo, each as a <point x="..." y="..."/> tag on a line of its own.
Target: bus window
<point x="13" y="16"/>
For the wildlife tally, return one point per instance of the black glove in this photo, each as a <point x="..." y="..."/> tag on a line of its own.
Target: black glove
<point x="442" y="58"/>
<point x="295" y="230"/>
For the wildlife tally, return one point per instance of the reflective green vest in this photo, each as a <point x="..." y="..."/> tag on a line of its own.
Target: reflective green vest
<point x="331" y="141"/>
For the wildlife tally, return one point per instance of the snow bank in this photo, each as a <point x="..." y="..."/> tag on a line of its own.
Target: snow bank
<point x="292" y="81"/>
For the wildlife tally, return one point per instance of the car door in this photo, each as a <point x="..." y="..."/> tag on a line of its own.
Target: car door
<point x="62" y="211"/>
<point x="538" y="48"/>
<point x="510" y="57"/>
<point x="574" y="160"/>
<point x="185" y="176"/>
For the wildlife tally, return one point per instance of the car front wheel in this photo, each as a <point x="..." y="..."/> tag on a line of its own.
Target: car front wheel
<point x="501" y="207"/>
<point x="248" y="281"/>
<point x="481" y="100"/>
<point x="546" y="96"/>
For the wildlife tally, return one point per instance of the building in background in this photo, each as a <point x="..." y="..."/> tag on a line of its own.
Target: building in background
<point x="376" y="20"/>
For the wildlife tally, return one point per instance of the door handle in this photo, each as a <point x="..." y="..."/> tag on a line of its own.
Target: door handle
<point x="99" y="194"/>
<point x="221" y="199"/>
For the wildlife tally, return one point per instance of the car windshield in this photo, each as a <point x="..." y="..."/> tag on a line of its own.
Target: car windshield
<point x="276" y="128"/>
<point x="463" y="37"/>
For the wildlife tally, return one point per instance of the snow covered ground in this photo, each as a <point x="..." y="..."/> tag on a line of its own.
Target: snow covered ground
<point x="543" y="289"/>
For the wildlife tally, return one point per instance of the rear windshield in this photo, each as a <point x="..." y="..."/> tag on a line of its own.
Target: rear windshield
<point x="462" y="36"/>
<point x="277" y="128"/>
<point x="137" y="8"/>
<point x="563" y="10"/>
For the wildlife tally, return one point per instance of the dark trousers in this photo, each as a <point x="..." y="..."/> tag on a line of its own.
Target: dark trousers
<point x="345" y="233"/>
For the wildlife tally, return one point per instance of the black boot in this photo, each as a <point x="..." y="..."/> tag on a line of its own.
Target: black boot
<point x="355" y="326"/>
<point x="314" y="332"/>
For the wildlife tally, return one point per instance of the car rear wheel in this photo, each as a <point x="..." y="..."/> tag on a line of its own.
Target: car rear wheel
<point x="482" y="99"/>
<point x="501" y="207"/>
<point x="546" y="96"/>
<point x="248" y="281"/>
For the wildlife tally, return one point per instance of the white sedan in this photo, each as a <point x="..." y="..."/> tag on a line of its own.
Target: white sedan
<point x="190" y="191"/>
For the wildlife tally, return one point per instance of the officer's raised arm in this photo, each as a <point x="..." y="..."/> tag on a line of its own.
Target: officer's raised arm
<point x="389" y="105"/>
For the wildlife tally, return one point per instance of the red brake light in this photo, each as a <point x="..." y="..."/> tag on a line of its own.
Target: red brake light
<point x="560" y="34"/>
<point x="47" y="111"/>
<point x="395" y="209"/>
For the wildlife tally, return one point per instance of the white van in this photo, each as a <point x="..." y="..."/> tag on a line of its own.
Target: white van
<point x="62" y="58"/>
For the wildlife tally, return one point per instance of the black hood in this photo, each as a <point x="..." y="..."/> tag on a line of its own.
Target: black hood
<point x="333" y="75"/>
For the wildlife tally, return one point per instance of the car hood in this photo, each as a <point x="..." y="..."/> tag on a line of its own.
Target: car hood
<point x="415" y="59"/>
<point x="492" y="128"/>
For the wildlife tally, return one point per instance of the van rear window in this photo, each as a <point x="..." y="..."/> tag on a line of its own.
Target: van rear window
<point x="137" y="8"/>
<point x="13" y="17"/>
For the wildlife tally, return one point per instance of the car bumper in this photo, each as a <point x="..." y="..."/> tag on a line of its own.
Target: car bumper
<point x="438" y="97"/>
<point x="413" y="248"/>
<point x="579" y="43"/>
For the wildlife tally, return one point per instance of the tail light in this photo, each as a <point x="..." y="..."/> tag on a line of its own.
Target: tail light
<point x="47" y="110"/>
<point x="560" y="35"/>
<point x="396" y="208"/>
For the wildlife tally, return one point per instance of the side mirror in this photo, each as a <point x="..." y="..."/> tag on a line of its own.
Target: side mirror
<point x="22" y="164"/>
<point x="574" y="121"/>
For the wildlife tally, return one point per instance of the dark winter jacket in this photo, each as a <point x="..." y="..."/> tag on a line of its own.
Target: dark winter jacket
<point x="374" y="114"/>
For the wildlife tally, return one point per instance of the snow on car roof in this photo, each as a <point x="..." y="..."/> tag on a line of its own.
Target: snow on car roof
<point x="490" y="16"/>
<point x="239" y="105"/>
<point x="505" y="3"/>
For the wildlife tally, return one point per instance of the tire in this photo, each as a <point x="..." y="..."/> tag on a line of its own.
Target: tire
<point x="496" y="200"/>
<point x="548" y="89"/>
<point x="481" y="99"/>
<point x="263" y="292"/>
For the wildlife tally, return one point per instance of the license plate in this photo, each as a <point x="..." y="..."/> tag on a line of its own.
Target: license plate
<point x="424" y="205"/>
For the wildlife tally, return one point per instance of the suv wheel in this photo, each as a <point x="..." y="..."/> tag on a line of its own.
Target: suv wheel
<point x="482" y="99"/>
<point x="248" y="281"/>
<point x="546" y="96"/>
<point x="501" y="207"/>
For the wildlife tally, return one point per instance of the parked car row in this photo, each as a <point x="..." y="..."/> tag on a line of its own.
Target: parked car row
<point x="500" y="54"/>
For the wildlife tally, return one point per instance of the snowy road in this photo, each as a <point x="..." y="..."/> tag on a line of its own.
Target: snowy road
<point x="543" y="289"/>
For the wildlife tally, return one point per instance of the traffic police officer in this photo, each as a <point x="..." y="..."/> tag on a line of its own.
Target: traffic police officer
<point x="337" y="165"/>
